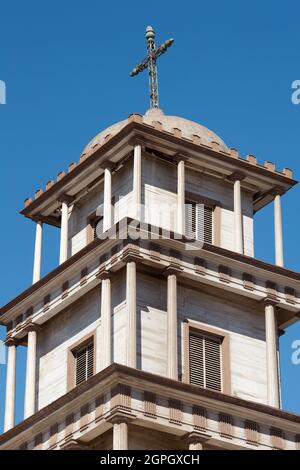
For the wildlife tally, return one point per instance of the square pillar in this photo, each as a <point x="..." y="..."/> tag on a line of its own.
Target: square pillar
<point x="278" y="227"/>
<point x="29" y="405"/>
<point x="236" y="178"/>
<point x="120" y="434"/>
<point x="181" y="196"/>
<point x="137" y="180"/>
<point x="9" y="414"/>
<point x="131" y="312"/>
<point x="271" y="352"/>
<point x="172" y="347"/>
<point x="107" y="208"/>
<point x="105" y="342"/>
<point x="63" y="256"/>
<point x="37" y="252"/>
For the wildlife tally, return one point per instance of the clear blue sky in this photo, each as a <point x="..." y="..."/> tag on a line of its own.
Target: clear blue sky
<point x="66" y="68"/>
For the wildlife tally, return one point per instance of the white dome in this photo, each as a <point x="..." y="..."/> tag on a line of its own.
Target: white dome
<point x="188" y="129"/>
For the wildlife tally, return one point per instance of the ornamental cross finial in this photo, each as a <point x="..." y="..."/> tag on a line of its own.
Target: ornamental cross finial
<point x="150" y="63"/>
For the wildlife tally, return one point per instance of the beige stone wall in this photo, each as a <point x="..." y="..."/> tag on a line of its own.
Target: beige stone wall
<point x="159" y="193"/>
<point x="244" y="325"/>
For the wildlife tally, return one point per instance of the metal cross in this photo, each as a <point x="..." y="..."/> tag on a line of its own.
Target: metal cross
<point x="150" y="63"/>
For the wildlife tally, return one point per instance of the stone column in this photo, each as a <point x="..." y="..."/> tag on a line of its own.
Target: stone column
<point x="181" y="197"/>
<point x="64" y="233"/>
<point x="137" y="180"/>
<point x="271" y="352"/>
<point x="107" y="209"/>
<point x="131" y="313"/>
<point x="278" y="229"/>
<point x="120" y="434"/>
<point x="29" y="405"/>
<point x="37" y="252"/>
<point x="238" y="216"/>
<point x="172" y="354"/>
<point x="106" y="319"/>
<point x="9" y="416"/>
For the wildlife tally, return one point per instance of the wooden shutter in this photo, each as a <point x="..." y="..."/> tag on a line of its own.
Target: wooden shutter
<point x="190" y="220"/>
<point x="198" y="222"/>
<point x="196" y="360"/>
<point x="205" y="361"/>
<point x="213" y="363"/>
<point x="208" y="228"/>
<point x="84" y="359"/>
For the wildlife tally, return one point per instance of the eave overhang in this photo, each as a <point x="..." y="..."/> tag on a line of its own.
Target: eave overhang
<point x="260" y="180"/>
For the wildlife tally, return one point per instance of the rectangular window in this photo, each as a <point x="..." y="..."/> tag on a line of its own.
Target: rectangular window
<point x="205" y="360"/>
<point x="199" y="221"/>
<point x="84" y="363"/>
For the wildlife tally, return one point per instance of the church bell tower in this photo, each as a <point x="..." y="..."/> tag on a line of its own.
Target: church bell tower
<point x="159" y="327"/>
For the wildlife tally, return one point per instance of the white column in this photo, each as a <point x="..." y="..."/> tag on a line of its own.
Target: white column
<point x="107" y="209"/>
<point x="64" y="233"/>
<point x="106" y="320"/>
<point x="137" y="180"/>
<point x="29" y="406"/>
<point x="9" y="417"/>
<point x="172" y="358"/>
<point x="120" y="435"/>
<point x="37" y="252"/>
<point x="278" y="230"/>
<point x="272" y="357"/>
<point x="238" y="217"/>
<point x="181" y="197"/>
<point x="131" y="313"/>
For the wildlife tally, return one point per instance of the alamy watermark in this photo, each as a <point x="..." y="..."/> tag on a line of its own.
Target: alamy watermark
<point x="296" y="353"/>
<point x="153" y="222"/>
<point x="2" y="92"/>
<point x="295" y="97"/>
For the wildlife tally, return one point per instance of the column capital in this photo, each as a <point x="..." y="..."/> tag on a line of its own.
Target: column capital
<point x="65" y="198"/>
<point x="270" y="300"/>
<point x="104" y="273"/>
<point x="277" y="191"/>
<point x="180" y="157"/>
<point x="198" y="436"/>
<point x="135" y="140"/>
<point x="37" y="219"/>
<point x="32" y="327"/>
<point x="10" y="341"/>
<point x="173" y="268"/>
<point x="107" y="165"/>
<point x="74" y="444"/>
<point x="118" y="416"/>
<point x="131" y="254"/>
<point x="236" y="176"/>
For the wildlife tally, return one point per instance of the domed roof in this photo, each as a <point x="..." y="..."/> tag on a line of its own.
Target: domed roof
<point x="188" y="129"/>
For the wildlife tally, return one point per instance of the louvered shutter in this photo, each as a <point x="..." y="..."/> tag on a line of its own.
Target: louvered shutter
<point x="84" y="363"/>
<point x="196" y="360"/>
<point x="190" y="220"/>
<point x="208" y="228"/>
<point x="213" y="363"/>
<point x="205" y="361"/>
<point x="198" y="222"/>
<point x="199" y="208"/>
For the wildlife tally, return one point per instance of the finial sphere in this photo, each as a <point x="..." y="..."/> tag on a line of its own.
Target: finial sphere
<point x="150" y="34"/>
